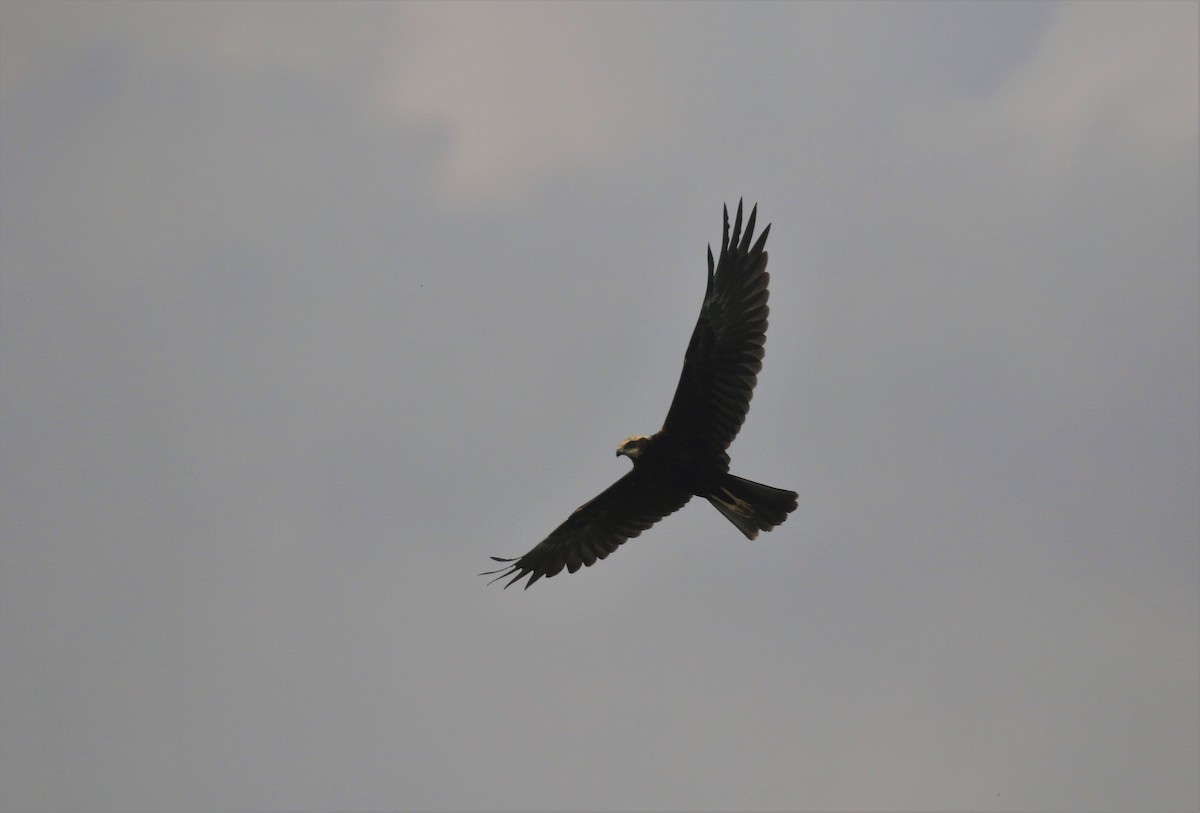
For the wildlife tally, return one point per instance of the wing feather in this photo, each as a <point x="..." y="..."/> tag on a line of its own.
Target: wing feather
<point x="596" y="528"/>
<point x="724" y="356"/>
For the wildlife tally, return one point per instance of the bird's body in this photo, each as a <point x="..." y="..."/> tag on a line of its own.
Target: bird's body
<point x="688" y="456"/>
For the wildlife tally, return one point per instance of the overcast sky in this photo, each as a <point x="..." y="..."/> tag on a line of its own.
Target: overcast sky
<point x="306" y="310"/>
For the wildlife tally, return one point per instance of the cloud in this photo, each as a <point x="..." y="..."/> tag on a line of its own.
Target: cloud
<point x="1116" y="76"/>
<point x="523" y="92"/>
<point x="1115" y="65"/>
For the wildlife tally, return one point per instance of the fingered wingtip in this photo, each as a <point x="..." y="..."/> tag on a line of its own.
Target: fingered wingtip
<point x="505" y="572"/>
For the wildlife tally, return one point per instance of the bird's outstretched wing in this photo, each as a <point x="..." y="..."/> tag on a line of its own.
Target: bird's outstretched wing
<point x="596" y="528"/>
<point x="725" y="353"/>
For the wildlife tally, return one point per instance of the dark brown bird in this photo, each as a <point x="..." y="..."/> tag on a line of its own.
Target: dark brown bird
<point x="687" y="457"/>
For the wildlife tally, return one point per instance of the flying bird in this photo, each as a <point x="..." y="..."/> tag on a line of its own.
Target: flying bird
<point x="688" y="456"/>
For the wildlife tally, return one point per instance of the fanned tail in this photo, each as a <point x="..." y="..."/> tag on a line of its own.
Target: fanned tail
<point x="752" y="506"/>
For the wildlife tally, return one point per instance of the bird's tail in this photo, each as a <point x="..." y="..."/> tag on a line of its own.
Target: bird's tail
<point x="751" y="506"/>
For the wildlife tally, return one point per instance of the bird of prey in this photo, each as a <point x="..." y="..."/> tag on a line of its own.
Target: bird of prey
<point x="687" y="457"/>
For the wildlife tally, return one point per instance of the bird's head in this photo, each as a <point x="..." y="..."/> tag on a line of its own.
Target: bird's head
<point x="632" y="446"/>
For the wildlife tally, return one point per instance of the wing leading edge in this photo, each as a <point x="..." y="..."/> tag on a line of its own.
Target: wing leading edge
<point x="724" y="356"/>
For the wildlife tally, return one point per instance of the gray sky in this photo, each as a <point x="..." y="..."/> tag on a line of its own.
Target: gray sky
<point x="306" y="310"/>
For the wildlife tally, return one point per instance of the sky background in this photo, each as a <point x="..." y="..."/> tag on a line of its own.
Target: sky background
<point x="306" y="310"/>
